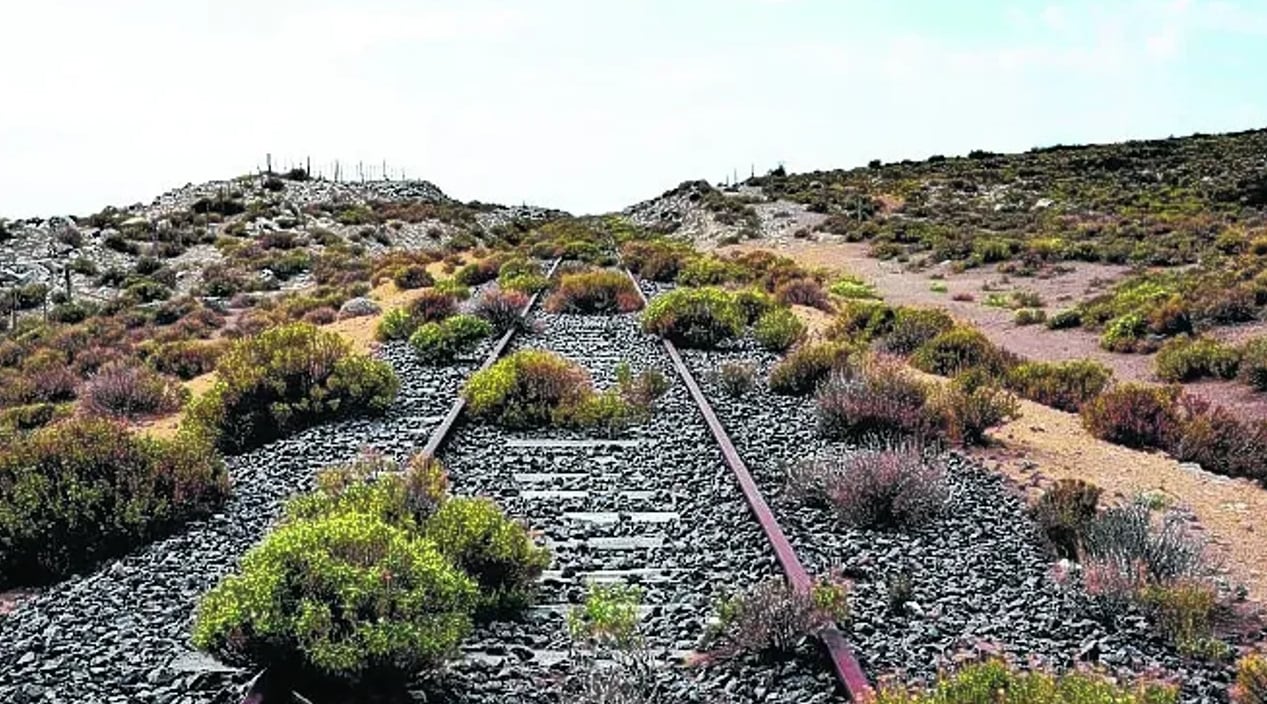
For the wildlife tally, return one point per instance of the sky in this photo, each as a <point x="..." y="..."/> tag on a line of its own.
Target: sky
<point x="590" y="105"/>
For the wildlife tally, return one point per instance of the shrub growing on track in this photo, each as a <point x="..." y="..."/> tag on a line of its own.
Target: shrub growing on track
<point x="736" y="378"/>
<point x="602" y="292"/>
<point x="913" y="327"/>
<point x="496" y="551"/>
<point x="533" y="387"/>
<point x="801" y="371"/>
<point x="311" y="601"/>
<point x="1063" y="513"/>
<point x="755" y="303"/>
<point x="656" y="260"/>
<point x="86" y="489"/>
<point x="501" y="309"/>
<point x="771" y="617"/>
<point x="1188" y="359"/>
<point x="371" y="577"/>
<point x="778" y="329"/>
<point x="440" y="343"/>
<point x="876" y="486"/>
<point x="286" y="379"/>
<point x="124" y="390"/>
<point x="1133" y="414"/>
<point x="994" y="682"/>
<point x="695" y="317"/>
<point x="1064" y="385"/>
<point x="396" y="324"/>
<point x="876" y="398"/>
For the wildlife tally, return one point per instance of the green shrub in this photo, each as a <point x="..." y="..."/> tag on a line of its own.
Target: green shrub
<point x="1187" y="359"/>
<point x="994" y="682"/>
<point x="477" y="273"/>
<point x="852" y="287"/>
<point x="1251" y="672"/>
<point x="1029" y="316"/>
<point x="755" y="303"/>
<point x="526" y="388"/>
<point x="708" y="271"/>
<point x="862" y="321"/>
<point x="346" y="597"/>
<point x="601" y="292"/>
<point x="83" y="490"/>
<point x="1064" y="511"/>
<point x="967" y="407"/>
<point x="494" y="550"/>
<point x="1253" y="368"/>
<point x="396" y="324"/>
<point x="286" y="379"/>
<point x="186" y="359"/>
<point x="32" y="416"/>
<point x="913" y="327"/>
<point x="695" y="317"/>
<point x="736" y="378"/>
<point x="440" y="343"/>
<point x="377" y="485"/>
<point x="778" y="330"/>
<point x="1063" y="385"/>
<point x="806" y="367"/>
<point x="960" y="349"/>
<point x="1064" y="319"/>
<point x="1125" y="334"/>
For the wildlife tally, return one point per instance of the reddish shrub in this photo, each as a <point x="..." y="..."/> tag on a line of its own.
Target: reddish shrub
<point x="186" y="359"/>
<point x="594" y="292"/>
<point x="1135" y="415"/>
<point x="1213" y="437"/>
<point x="877" y="398"/>
<point x="501" y="308"/>
<point x="970" y="405"/>
<point x="913" y="327"/>
<point x="479" y="272"/>
<point x="94" y="358"/>
<point x="803" y="292"/>
<point x="432" y="306"/>
<point x="321" y="316"/>
<point x="878" y="486"/>
<point x="126" y="391"/>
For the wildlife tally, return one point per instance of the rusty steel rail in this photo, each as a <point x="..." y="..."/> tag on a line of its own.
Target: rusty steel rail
<point x="262" y="689"/>
<point x="845" y="666"/>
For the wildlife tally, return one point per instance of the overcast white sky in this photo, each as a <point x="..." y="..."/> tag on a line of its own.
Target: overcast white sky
<point x="586" y="105"/>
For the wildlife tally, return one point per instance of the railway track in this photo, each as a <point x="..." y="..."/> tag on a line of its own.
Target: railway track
<point x="668" y="506"/>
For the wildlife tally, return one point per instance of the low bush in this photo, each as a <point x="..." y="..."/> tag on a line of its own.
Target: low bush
<point x="432" y="306"/>
<point x="969" y="405"/>
<point x="1029" y="316"/>
<point x="877" y="398"/>
<point x="602" y="292"/>
<point x="347" y="597"/>
<point x="286" y="379"/>
<point x="1188" y="359"/>
<point x="876" y="486"/>
<point x="771" y="617"/>
<point x="126" y="390"/>
<point x="442" y="342"/>
<point x="801" y="371"/>
<point x="803" y="292"/>
<point x="657" y="260"/>
<point x="993" y="682"/>
<point x="411" y="276"/>
<point x="1127" y="333"/>
<point x="1135" y="415"/>
<point x="1064" y="385"/>
<point x="396" y="324"/>
<point x="862" y="321"/>
<point x="85" y="489"/>
<point x="501" y="309"/>
<point x="496" y="551"/>
<point x="527" y="388"/>
<point x="912" y="327"/>
<point x="1253" y="368"/>
<point x="778" y="329"/>
<point x="694" y="317"/>
<point x="1251" y="680"/>
<point x="186" y="359"/>
<point x="479" y="272"/>
<point x="29" y="417"/>
<point x="1128" y="539"/>
<point x="1219" y="441"/>
<point x="1065" y="319"/>
<point x="960" y="349"/>
<point x="852" y="287"/>
<point x="1184" y="612"/>
<point x="755" y="303"/>
<point x="1063" y="513"/>
<point x="736" y="378"/>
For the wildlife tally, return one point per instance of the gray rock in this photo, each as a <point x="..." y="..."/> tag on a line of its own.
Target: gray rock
<point x="359" y="307"/>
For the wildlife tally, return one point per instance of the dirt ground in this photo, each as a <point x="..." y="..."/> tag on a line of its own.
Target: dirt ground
<point x="1031" y="341"/>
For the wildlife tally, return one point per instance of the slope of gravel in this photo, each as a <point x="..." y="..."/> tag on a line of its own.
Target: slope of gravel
<point x="982" y="581"/>
<point x="120" y="633"/>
